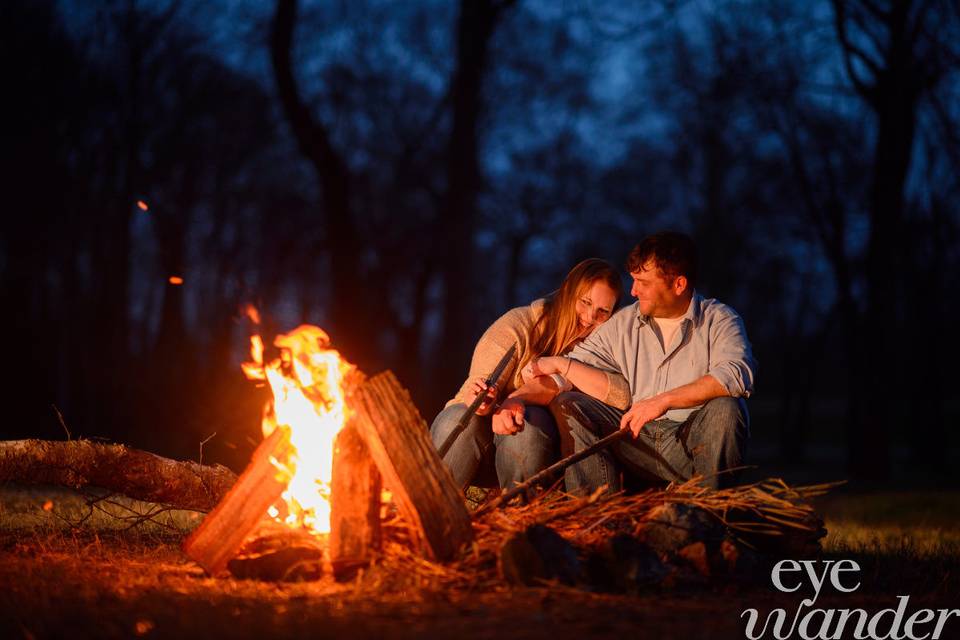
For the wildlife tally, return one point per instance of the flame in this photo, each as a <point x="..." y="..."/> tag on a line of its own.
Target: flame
<point x="175" y="280"/>
<point x="142" y="205"/>
<point x="308" y="399"/>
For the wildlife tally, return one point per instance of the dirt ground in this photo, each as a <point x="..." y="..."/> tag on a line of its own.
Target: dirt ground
<point x="103" y="580"/>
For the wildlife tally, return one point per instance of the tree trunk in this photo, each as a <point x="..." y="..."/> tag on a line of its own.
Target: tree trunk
<point x="350" y="317"/>
<point x="475" y="26"/>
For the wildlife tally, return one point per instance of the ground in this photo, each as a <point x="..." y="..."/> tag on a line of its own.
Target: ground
<point x="103" y="580"/>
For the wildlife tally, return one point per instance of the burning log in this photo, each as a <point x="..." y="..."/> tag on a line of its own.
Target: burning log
<point x="223" y="531"/>
<point x="422" y="486"/>
<point x="134" y="473"/>
<point x="354" y="504"/>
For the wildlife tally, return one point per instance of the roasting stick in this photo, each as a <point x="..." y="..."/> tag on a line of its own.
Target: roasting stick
<point x="556" y="467"/>
<point x="472" y="409"/>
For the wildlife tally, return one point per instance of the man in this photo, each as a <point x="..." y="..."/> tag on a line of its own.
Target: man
<point x="683" y="360"/>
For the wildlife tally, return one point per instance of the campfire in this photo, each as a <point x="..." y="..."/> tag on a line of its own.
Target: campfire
<point x="333" y="439"/>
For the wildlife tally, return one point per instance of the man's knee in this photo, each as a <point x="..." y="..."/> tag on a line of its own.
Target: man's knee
<point x="570" y="407"/>
<point x="565" y="401"/>
<point x="724" y="416"/>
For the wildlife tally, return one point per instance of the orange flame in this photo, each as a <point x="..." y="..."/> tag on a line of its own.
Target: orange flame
<point x="308" y="399"/>
<point x="143" y="205"/>
<point x="175" y="280"/>
<point x="252" y="313"/>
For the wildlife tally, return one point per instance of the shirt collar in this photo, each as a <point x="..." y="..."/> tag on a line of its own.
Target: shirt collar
<point x="693" y="313"/>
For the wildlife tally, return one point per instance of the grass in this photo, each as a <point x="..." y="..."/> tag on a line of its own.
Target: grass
<point x="112" y="577"/>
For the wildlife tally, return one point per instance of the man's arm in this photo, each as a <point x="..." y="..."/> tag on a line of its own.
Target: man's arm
<point x="695" y="393"/>
<point x="730" y="372"/>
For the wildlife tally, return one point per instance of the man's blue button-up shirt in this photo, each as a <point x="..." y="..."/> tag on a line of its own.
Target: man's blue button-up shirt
<point x="711" y="340"/>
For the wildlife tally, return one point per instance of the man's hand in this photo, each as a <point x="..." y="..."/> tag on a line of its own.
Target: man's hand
<point x="490" y="401"/>
<point x="508" y="420"/>
<point x="643" y="412"/>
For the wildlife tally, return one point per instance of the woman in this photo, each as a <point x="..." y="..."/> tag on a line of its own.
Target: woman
<point x="518" y="438"/>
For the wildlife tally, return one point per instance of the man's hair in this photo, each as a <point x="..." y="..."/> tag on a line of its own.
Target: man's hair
<point x="674" y="253"/>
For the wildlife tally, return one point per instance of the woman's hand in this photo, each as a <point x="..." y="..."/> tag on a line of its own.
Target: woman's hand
<point x="490" y="401"/>
<point x="508" y="420"/>
<point x="549" y="365"/>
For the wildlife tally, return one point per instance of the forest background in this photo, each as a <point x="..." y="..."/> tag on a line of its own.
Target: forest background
<point x="400" y="174"/>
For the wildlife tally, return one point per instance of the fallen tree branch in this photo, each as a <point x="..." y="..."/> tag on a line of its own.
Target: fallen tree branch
<point x="134" y="473"/>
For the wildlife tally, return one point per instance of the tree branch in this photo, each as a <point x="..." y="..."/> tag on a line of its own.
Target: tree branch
<point x="868" y="92"/>
<point x="312" y="138"/>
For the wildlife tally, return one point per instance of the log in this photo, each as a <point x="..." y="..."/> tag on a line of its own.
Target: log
<point x="354" y="505"/>
<point x="277" y="553"/>
<point x="426" y="495"/>
<point x="223" y="531"/>
<point x="115" y="467"/>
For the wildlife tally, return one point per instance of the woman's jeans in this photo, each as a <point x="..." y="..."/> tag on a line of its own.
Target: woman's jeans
<point x="710" y="443"/>
<point x="515" y="457"/>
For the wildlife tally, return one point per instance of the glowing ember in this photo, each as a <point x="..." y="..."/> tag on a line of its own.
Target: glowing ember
<point x="175" y="280"/>
<point x="308" y="399"/>
<point x="143" y="205"/>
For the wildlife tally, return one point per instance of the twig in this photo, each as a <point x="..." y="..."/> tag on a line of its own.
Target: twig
<point x="62" y="423"/>
<point x="203" y="442"/>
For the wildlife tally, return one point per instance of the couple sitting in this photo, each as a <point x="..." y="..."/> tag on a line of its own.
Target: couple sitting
<point x="673" y="368"/>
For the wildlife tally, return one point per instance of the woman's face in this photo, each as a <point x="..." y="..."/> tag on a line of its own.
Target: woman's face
<point x="594" y="306"/>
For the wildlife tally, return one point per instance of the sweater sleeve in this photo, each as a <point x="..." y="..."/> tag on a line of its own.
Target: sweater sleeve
<point x="512" y="328"/>
<point x="618" y="391"/>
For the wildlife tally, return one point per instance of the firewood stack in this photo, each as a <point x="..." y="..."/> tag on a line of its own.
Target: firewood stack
<point x="385" y="443"/>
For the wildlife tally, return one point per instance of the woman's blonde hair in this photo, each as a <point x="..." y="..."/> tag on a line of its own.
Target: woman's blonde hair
<point x="556" y="331"/>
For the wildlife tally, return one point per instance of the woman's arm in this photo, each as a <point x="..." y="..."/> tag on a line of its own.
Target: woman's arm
<point x="589" y="380"/>
<point x="493" y="344"/>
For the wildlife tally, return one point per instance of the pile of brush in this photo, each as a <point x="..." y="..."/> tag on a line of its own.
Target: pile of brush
<point x="681" y="536"/>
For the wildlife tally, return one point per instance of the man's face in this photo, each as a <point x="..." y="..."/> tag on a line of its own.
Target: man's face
<point x="658" y="296"/>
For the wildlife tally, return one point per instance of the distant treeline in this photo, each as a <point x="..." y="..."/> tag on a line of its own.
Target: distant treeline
<point x="401" y="174"/>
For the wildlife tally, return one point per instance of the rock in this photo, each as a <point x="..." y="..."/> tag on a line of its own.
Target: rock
<point x="724" y="560"/>
<point x="626" y="564"/>
<point x="697" y="556"/>
<point x="671" y="527"/>
<point x="538" y="553"/>
<point x="791" y="543"/>
<point x="741" y="562"/>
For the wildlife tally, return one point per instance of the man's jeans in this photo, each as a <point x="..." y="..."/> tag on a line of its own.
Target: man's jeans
<point x="516" y="457"/>
<point x="708" y="443"/>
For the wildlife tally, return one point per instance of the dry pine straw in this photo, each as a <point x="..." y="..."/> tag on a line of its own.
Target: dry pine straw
<point x="772" y="507"/>
<point x="767" y="508"/>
